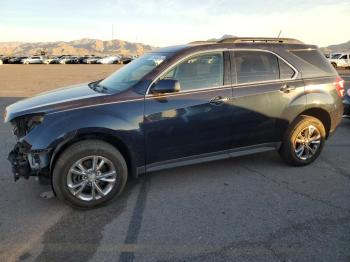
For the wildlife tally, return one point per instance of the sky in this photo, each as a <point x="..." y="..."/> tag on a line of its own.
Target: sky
<point x="170" y="22"/>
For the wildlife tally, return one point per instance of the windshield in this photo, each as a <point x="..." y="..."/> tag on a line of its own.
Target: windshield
<point x="130" y="74"/>
<point x="336" y="56"/>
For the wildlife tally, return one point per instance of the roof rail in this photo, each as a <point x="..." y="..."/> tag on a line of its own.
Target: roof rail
<point x="202" y="42"/>
<point x="260" y="40"/>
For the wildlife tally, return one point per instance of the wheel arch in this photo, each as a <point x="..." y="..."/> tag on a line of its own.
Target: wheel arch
<point x="111" y="139"/>
<point x="321" y="114"/>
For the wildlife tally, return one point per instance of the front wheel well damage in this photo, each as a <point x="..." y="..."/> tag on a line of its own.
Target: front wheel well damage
<point x="116" y="142"/>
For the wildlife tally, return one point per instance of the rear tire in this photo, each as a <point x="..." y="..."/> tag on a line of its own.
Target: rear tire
<point x="303" y="141"/>
<point x="334" y="65"/>
<point x="99" y="182"/>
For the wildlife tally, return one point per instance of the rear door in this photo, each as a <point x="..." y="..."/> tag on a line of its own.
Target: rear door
<point x="198" y="119"/>
<point x="266" y="88"/>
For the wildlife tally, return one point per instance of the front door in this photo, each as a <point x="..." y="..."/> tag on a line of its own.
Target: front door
<point x="198" y="119"/>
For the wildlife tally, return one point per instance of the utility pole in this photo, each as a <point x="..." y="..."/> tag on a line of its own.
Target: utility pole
<point x="112" y="32"/>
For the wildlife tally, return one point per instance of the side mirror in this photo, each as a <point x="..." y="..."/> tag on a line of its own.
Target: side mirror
<point x="166" y="86"/>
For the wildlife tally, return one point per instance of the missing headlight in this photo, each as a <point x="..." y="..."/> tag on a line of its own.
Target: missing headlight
<point x="23" y="125"/>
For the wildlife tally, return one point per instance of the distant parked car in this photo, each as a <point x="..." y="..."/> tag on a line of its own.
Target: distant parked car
<point x="340" y="60"/>
<point x="126" y="60"/>
<point x="110" y="60"/>
<point x="333" y="55"/>
<point x="17" y="60"/>
<point x="51" y="60"/>
<point x="69" y="60"/>
<point x="33" y="60"/>
<point x="4" y="59"/>
<point x="80" y="59"/>
<point x="92" y="60"/>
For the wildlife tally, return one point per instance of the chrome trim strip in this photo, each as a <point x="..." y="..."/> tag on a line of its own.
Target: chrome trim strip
<point x="262" y="83"/>
<point x="223" y="50"/>
<point x="94" y="105"/>
<point x="192" y="91"/>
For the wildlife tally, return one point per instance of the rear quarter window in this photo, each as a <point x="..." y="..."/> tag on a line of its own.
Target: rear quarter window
<point x="313" y="63"/>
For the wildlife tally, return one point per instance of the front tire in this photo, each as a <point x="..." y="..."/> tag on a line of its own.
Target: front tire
<point x="89" y="173"/>
<point x="304" y="141"/>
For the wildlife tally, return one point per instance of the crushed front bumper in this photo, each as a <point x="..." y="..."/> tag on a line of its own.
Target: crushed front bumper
<point x="26" y="163"/>
<point x="19" y="162"/>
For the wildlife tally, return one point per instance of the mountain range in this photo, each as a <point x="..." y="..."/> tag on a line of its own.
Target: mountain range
<point x="344" y="47"/>
<point x="85" y="46"/>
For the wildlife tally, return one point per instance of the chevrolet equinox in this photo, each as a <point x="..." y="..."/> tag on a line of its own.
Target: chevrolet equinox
<point x="177" y="106"/>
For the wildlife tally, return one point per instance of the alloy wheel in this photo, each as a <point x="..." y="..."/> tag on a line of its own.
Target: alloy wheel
<point x="92" y="178"/>
<point x="307" y="142"/>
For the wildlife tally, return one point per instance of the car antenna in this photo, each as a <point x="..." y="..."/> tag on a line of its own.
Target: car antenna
<point x="279" y="34"/>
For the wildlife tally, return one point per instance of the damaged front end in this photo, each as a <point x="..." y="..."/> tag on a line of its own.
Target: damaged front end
<point x="26" y="162"/>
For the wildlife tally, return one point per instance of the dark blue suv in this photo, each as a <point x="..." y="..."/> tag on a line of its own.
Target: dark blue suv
<point x="178" y="106"/>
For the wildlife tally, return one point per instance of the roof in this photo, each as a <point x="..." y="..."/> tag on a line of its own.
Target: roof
<point x="265" y="42"/>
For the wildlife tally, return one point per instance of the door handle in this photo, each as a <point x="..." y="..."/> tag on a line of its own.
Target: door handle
<point x="287" y="88"/>
<point x="218" y="100"/>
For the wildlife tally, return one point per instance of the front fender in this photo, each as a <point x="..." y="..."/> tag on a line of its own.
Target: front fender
<point x="60" y="127"/>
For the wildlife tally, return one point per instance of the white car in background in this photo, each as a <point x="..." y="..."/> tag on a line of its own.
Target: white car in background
<point x="68" y="60"/>
<point x="33" y="60"/>
<point x="51" y="60"/>
<point x="110" y="60"/>
<point x="340" y="60"/>
<point x="92" y="60"/>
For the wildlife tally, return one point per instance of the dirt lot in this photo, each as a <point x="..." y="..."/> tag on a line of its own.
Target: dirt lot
<point x="28" y="80"/>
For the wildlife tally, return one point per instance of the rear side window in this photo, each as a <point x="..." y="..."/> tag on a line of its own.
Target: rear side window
<point x="313" y="63"/>
<point x="254" y="66"/>
<point x="257" y="66"/>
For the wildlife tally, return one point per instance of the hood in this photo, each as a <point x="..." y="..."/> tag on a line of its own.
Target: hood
<point x="51" y="100"/>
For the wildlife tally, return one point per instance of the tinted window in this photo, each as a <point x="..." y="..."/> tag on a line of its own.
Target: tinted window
<point x="253" y="66"/>
<point x="344" y="57"/>
<point x="199" y="72"/>
<point x="313" y="63"/>
<point x="286" y="72"/>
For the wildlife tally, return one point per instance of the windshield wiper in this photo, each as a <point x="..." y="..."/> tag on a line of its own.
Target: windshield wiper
<point x="97" y="87"/>
<point x="101" y="88"/>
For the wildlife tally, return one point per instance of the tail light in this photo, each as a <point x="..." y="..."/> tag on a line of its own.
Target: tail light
<point x="339" y="86"/>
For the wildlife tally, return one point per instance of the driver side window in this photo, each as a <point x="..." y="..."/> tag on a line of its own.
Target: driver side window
<point x="202" y="71"/>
